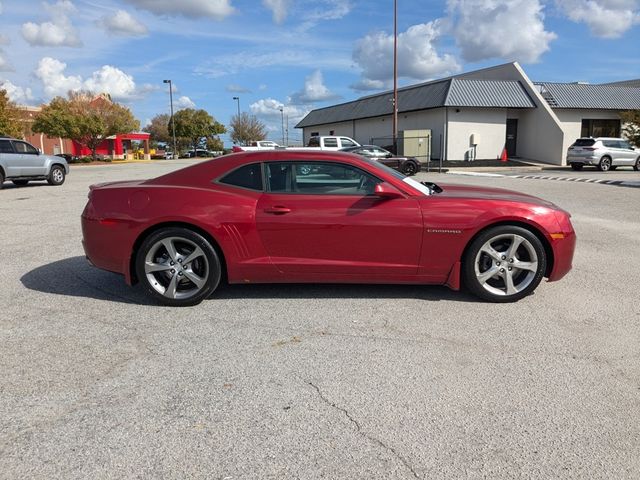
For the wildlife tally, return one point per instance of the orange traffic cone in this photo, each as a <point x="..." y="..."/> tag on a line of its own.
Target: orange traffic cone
<point x="504" y="157"/>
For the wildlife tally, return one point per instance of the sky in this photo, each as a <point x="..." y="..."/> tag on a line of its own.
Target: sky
<point x="298" y="54"/>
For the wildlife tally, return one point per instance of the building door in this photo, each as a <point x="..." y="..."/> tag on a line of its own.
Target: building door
<point x="512" y="136"/>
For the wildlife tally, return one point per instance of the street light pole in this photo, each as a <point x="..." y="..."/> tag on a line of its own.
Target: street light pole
<point x="173" y="125"/>
<point x="395" y="76"/>
<point x="237" y="99"/>
<point x="282" y="114"/>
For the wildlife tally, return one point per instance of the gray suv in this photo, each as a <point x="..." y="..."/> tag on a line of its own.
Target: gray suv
<point x="604" y="153"/>
<point x="21" y="162"/>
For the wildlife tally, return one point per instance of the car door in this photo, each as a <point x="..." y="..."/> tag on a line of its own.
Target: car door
<point x="31" y="164"/>
<point x="627" y="153"/>
<point x="11" y="160"/>
<point x="386" y="158"/>
<point x="327" y="221"/>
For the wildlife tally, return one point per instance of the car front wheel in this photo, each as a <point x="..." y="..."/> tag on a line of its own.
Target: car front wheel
<point x="504" y="264"/>
<point x="178" y="267"/>
<point x="636" y="166"/>
<point x="56" y="176"/>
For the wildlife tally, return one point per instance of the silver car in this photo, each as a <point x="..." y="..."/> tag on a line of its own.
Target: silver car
<point x="21" y="163"/>
<point x="604" y="153"/>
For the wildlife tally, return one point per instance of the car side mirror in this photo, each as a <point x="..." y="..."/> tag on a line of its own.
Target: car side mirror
<point x="384" y="190"/>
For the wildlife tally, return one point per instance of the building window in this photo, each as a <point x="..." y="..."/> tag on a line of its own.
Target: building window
<point x="600" y="128"/>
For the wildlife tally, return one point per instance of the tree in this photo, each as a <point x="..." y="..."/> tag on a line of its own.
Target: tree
<point x="9" y="117"/>
<point x="631" y="126"/>
<point x="196" y="125"/>
<point x="159" y="128"/>
<point x="247" y="128"/>
<point x="86" y="118"/>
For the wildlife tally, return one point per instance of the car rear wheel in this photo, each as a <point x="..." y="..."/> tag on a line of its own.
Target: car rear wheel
<point x="636" y="166"/>
<point x="1" y="178"/>
<point x="605" y="164"/>
<point x="409" y="169"/>
<point x="178" y="267"/>
<point x="56" y="176"/>
<point x="577" y="166"/>
<point x="504" y="264"/>
<point x="20" y="183"/>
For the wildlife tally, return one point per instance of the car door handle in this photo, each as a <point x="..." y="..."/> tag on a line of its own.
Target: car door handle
<point x="277" y="210"/>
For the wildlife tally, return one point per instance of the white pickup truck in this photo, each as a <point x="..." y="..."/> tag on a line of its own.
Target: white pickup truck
<point x="331" y="142"/>
<point x="258" y="145"/>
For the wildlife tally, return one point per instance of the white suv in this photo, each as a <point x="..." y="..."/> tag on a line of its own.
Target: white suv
<point x="603" y="152"/>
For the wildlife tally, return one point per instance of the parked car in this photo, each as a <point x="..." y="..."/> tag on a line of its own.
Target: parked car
<point x="199" y="152"/>
<point x="330" y="142"/>
<point x="22" y="163"/>
<point x="257" y="145"/>
<point x="67" y="156"/>
<point x="407" y="165"/>
<point x="604" y="153"/>
<point x="250" y="218"/>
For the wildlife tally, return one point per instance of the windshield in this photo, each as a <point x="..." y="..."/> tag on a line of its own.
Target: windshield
<point x="408" y="180"/>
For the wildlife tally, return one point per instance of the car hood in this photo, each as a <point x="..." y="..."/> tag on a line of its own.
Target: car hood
<point x="487" y="193"/>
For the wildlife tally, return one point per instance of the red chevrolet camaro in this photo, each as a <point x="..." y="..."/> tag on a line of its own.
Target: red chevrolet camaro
<point x="318" y="217"/>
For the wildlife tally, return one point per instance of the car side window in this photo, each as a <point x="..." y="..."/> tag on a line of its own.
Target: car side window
<point x="347" y="143"/>
<point x="248" y="176"/>
<point x="330" y="142"/>
<point x="22" y="147"/>
<point x="319" y="178"/>
<point x="5" y="146"/>
<point x="625" y="145"/>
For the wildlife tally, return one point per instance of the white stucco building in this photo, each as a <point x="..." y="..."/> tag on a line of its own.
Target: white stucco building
<point x="476" y="115"/>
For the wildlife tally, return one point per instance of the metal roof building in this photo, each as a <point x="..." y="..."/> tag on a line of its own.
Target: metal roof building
<point x="478" y="114"/>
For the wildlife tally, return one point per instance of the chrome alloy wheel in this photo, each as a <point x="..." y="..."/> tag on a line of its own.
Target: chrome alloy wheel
<point x="58" y="175"/>
<point x="506" y="264"/>
<point x="176" y="268"/>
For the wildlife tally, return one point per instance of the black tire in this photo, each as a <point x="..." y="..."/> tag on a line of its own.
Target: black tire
<point x="478" y="265"/>
<point x="20" y="183"/>
<point x="409" y="169"/>
<point x="613" y="167"/>
<point x="577" y="166"/>
<point x="1" y="178"/>
<point x="56" y="176"/>
<point x="181" y="292"/>
<point x="605" y="164"/>
<point x="636" y="166"/>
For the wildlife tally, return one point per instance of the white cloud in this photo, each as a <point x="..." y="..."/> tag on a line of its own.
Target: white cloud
<point x="234" y="88"/>
<point x="269" y="107"/>
<point x="417" y="55"/>
<point x="16" y="94"/>
<point x="314" y="90"/>
<point x="280" y="9"/>
<point x="113" y="81"/>
<point x="122" y="23"/>
<point x="185" y="102"/>
<point x="107" y="79"/>
<point x="366" y="84"/>
<point x="4" y="40"/>
<point x="59" y="32"/>
<point x="0" y="8"/>
<point x="217" y="9"/>
<point x="507" y="29"/>
<point x="605" y="18"/>
<point x="330" y="10"/>
<point x="5" y="66"/>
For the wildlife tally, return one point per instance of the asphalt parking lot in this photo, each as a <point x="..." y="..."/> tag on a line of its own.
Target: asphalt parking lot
<point x="317" y="381"/>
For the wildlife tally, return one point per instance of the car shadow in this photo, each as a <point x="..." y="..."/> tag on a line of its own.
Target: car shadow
<point x="75" y="277"/>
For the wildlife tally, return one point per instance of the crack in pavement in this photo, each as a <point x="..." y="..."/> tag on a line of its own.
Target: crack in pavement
<point x="364" y="433"/>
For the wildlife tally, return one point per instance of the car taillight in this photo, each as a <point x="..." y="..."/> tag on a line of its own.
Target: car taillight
<point x="236" y="149"/>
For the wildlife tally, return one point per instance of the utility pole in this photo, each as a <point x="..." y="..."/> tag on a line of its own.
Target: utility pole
<point x="395" y="76"/>
<point x="173" y="125"/>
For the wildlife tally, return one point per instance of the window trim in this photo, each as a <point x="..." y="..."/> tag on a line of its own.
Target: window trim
<point x="219" y="181"/>
<point x="267" y="186"/>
